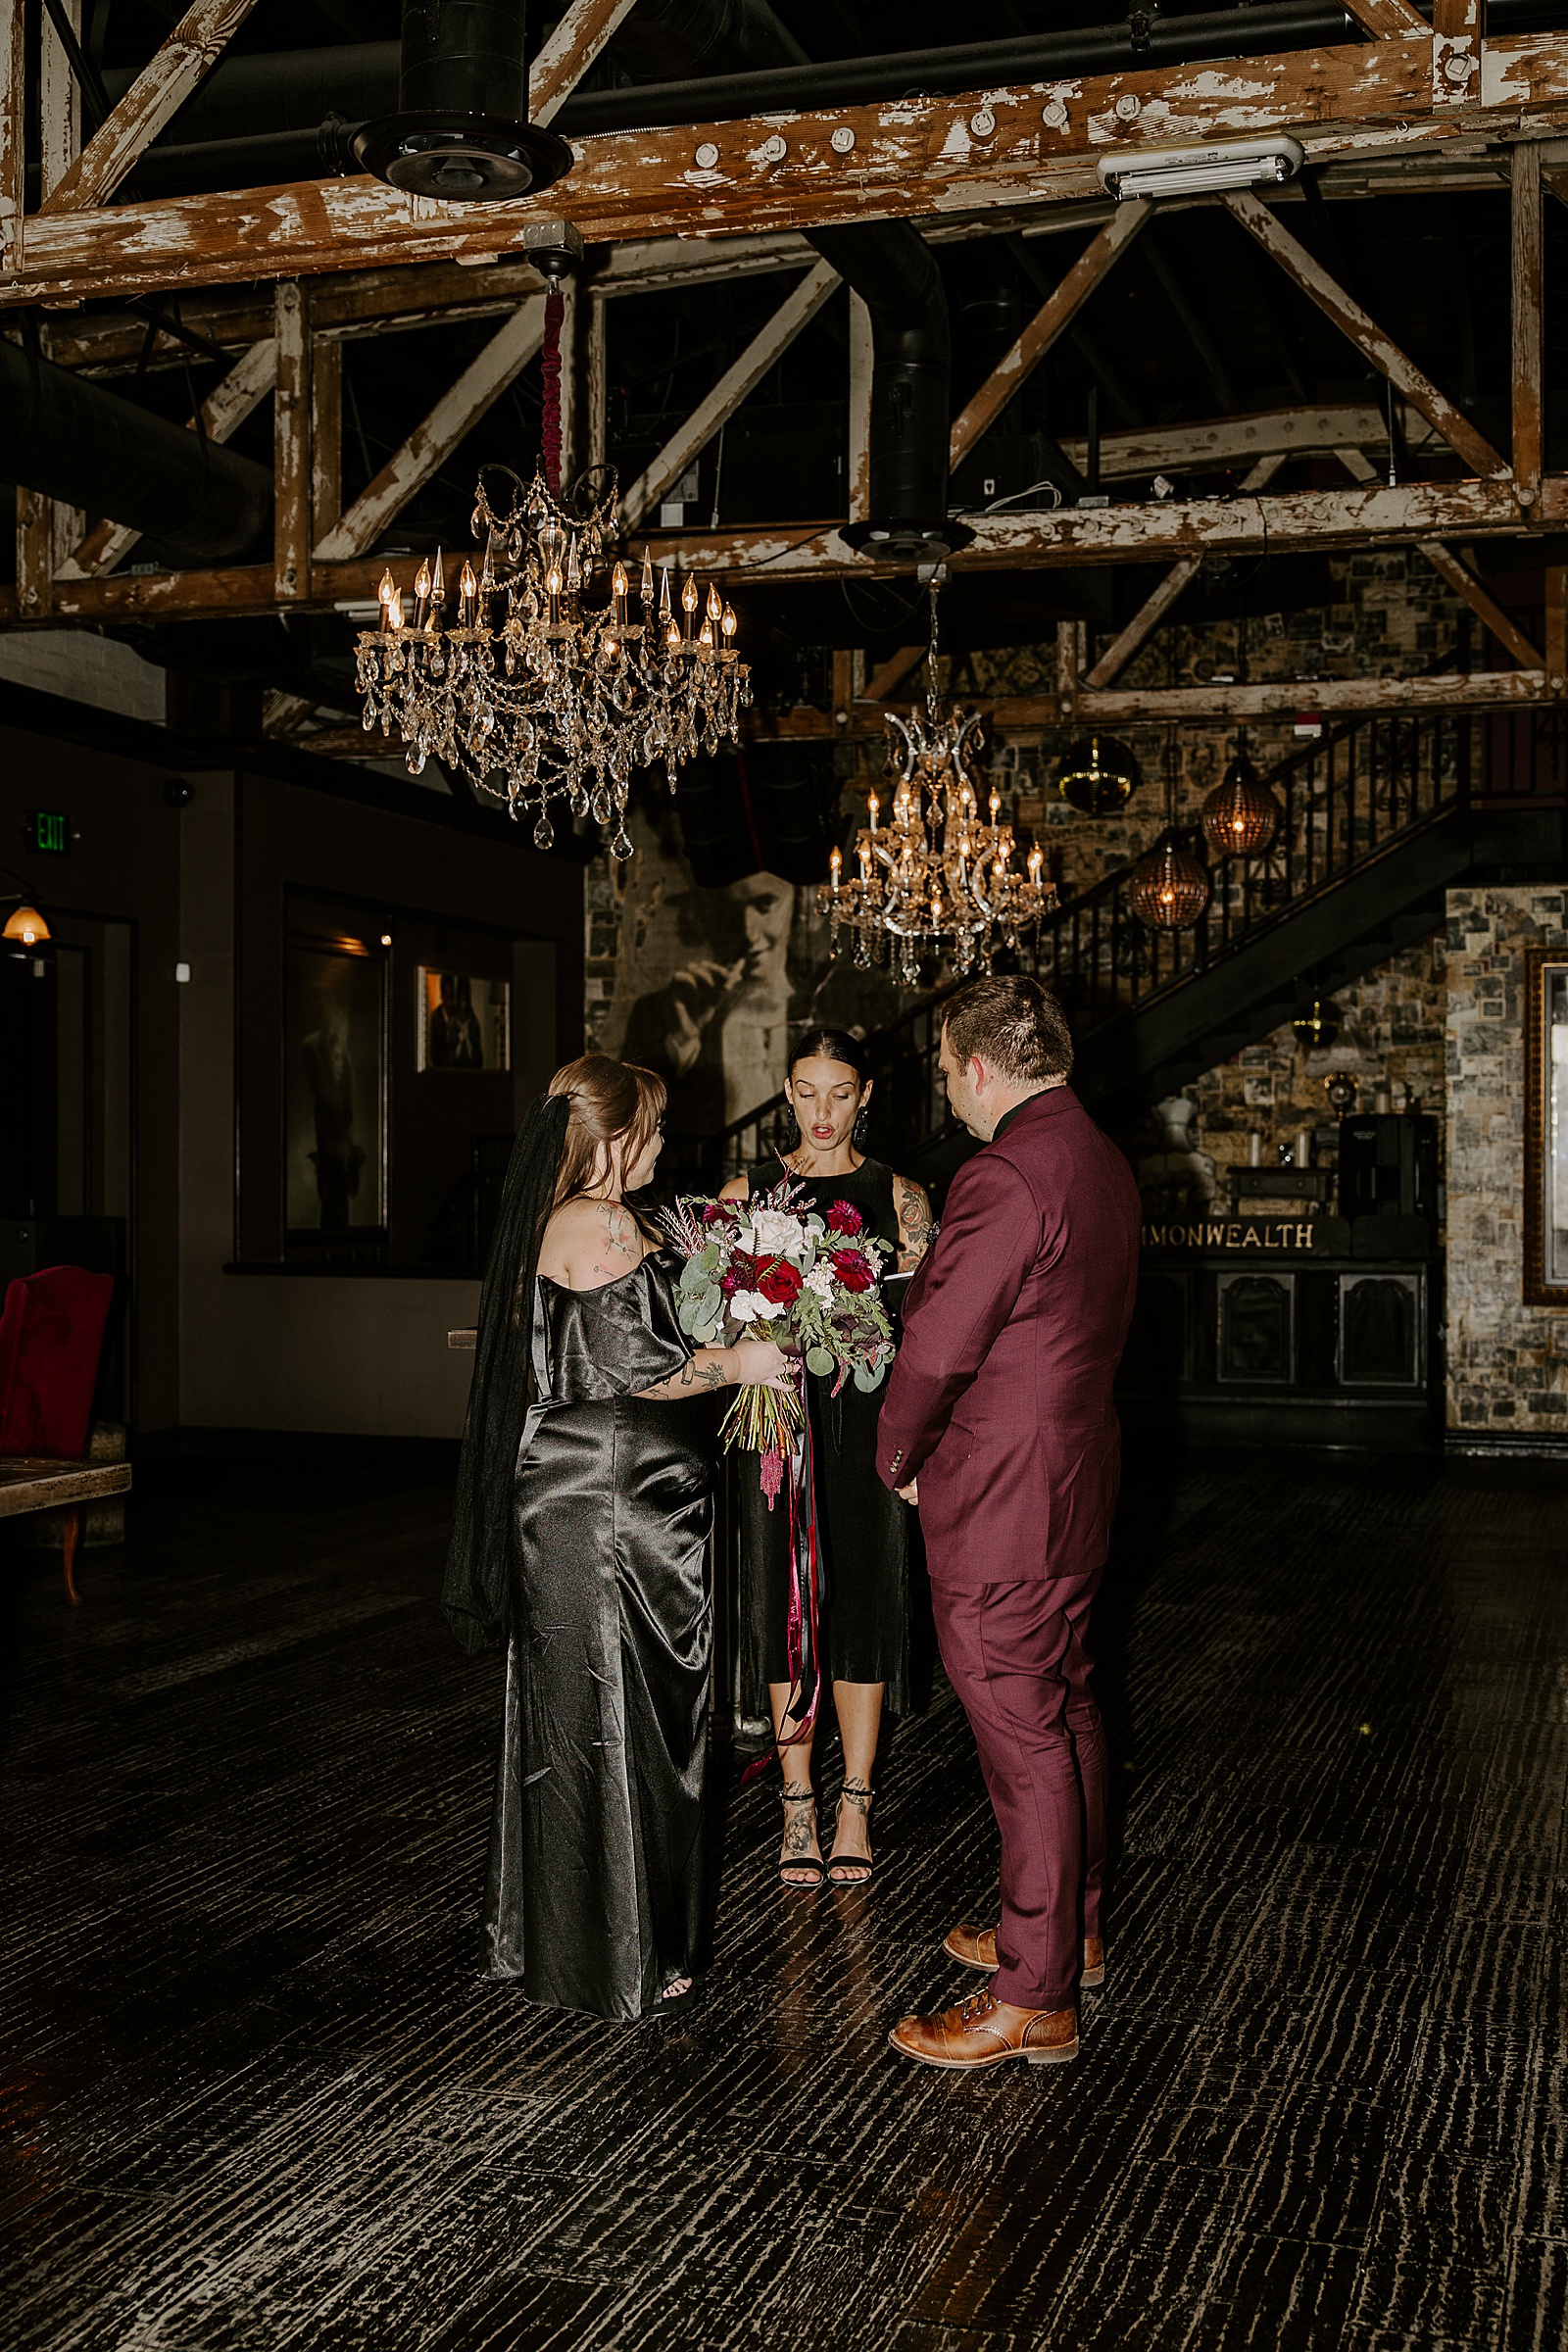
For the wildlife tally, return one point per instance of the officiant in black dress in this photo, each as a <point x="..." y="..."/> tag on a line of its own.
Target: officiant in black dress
<point x="581" y="1540"/>
<point x="862" y="1531"/>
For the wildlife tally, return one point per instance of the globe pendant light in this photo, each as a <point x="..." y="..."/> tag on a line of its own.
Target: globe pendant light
<point x="1241" y="815"/>
<point x="1098" y="777"/>
<point x="1169" y="887"/>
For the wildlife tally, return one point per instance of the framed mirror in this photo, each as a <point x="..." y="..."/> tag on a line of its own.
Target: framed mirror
<point x="1547" y="1127"/>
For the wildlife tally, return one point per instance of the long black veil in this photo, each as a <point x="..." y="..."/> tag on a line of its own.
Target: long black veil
<point x="474" y="1594"/>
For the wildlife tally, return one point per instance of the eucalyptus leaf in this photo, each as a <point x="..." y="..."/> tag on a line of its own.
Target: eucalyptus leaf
<point x="693" y="1274"/>
<point x="818" y="1361"/>
<point x="866" y="1381"/>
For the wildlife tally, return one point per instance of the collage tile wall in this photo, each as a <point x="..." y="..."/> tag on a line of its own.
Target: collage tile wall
<point x="1507" y="1362"/>
<point x="709" y="984"/>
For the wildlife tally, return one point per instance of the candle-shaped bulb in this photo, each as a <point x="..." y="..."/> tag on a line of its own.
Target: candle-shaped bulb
<point x="672" y="635"/>
<point x="387" y="589"/>
<point x="553" y="580"/>
<point x="395" y="610"/>
<point x="729" y="623"/>
<point x="619" y="582"/>
<point x="421" y="582"/>
<point x="874" y="805"/>
<point x="688" y="595"/>
<point x="468" y="585"/>
<point x="716" y="605"/>
<point x="995" y="806"/>
<point x="835" y="865"/>
<point x="706" y="634"/>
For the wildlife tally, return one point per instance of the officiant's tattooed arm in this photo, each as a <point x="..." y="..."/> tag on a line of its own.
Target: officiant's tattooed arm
<point x="916" y="1225"/>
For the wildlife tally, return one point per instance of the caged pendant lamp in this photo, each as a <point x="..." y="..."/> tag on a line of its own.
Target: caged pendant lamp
<point x="1241" y="815"/>
<point x="1169" y="885"/>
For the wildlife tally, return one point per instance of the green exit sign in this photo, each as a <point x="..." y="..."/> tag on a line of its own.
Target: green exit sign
<point x="49" y="832"/>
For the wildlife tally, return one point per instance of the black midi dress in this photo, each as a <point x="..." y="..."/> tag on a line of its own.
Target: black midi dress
<point x="863" y="1530"/>
<point x="596" y="1876"/>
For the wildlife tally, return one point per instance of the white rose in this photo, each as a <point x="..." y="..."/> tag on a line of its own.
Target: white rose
<point x="750" y="1306"/>
<point x="778" y="1234"/>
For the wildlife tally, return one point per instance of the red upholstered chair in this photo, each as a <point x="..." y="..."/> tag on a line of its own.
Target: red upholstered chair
<point x="51" y="1336"/>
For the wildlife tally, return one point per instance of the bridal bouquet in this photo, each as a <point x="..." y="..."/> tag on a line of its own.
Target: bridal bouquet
<point x="771" y="1268"/>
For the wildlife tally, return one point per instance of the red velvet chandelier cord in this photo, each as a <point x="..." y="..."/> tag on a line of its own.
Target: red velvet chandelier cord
<point x="550" y="432"/>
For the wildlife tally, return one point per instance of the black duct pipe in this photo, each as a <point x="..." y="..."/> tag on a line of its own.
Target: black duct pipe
<point x="462" y="130"/>
<point x="71" y="440"/>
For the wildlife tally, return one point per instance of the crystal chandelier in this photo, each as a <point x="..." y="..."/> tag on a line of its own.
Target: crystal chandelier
<point x="935" y="878"/>
<point x="549" y="681"/>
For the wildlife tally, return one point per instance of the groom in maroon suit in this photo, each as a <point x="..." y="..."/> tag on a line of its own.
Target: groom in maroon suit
<point x="998" y="1420"/>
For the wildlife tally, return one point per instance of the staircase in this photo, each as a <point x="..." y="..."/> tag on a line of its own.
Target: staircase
<point x="1381" y="816"/>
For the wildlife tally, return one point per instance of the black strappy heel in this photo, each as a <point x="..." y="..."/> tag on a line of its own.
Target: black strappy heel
<point x="860" y="1864"/>
<point x="810" y="1862"/>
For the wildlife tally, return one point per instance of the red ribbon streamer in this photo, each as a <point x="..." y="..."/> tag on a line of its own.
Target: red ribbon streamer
<point x="550" y="430"/>
<point x="802" y="1652"/>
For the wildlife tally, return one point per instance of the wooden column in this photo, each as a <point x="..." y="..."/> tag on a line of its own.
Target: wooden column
<point x="292" y="469"/>
<point x="1527" y="324"/>
<point x="598" y="370"/>
<point x="574" y="385"/>
<point x="858" y="461"/>
<point x="13" y="118"/>
<point x="326" y="436"/>
<point x="58" y="101"/>
<point x="36" y="555"/>
<point x="1556" y="627"/>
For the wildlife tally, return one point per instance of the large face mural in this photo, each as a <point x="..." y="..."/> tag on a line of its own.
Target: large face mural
<point x="711" y="985"/>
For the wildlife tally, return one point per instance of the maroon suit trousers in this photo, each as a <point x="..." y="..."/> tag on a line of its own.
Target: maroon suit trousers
<point x="1019" y="1657"/>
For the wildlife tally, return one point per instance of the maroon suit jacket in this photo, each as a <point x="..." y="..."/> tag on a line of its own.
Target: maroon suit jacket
<point x="1000" y="1399"/>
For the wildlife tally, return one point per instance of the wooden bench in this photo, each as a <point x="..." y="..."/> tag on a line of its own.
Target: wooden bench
<point x="34" y="1483"/>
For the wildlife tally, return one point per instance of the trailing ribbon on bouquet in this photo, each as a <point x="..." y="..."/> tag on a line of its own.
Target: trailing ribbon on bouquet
<point x="803" y="1619"/>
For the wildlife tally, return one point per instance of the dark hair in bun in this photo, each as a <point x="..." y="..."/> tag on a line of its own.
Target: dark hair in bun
<point x="831" y="1045"/>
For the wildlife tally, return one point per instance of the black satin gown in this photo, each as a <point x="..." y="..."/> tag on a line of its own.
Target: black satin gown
<point x="864" y="1626"/>
<point x="596" y="1878"/>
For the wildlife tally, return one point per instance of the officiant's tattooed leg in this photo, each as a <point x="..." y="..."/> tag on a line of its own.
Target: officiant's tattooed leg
<point x="916" y="1225"/>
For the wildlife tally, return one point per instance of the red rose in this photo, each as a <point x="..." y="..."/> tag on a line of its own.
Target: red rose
<point x="844" y="1218"/>
<point x="780" y="1285"/>
<point x="853" y="1270"/>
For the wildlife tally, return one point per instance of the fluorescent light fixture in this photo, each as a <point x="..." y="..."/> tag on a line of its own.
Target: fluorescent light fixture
<point x="1200" y="171"/>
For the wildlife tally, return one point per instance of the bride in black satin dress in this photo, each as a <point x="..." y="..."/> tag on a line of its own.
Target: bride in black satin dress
<point x="582" y="1537"/>
<point x="865" y="1620"/>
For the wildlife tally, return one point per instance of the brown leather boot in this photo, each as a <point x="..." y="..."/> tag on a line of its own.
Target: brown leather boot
<point x="983" y="2030"/>
<point x="976" y="1947"/>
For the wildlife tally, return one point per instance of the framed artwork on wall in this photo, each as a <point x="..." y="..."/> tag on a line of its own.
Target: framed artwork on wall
<point x="1547" y="1127"/>
<point x="334" y="1088"/>
<point x="464" y="1022"/>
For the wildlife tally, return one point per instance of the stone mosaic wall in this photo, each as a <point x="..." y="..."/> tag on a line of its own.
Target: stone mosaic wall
<point x="1507" y="1362"/>
<point x="1392" y="1038"/>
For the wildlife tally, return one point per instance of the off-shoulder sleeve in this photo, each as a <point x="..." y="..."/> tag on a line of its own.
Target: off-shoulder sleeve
<point x="614" y="1341"/>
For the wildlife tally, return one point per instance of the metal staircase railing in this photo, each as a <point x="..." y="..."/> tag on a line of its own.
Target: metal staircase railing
<point x="1348" y="798"/>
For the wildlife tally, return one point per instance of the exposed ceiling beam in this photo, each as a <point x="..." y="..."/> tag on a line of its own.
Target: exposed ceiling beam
<point x="13" y="132"/>
<point x="1220" y="441"/>
<point x="572" y="49"/>
<point x="890" y="675"/>
<point x="896" y="157"/>
<point x="432" y="442"/>
<point x="223" y="411"/>
<point x="153" y="99"/>
<point x="1368" y="337"/>
<point x="1052" y="318"/>
<point x="741" y="378"/>
<point x="1317" y="520"/>
<point x="1389" y="19"/>
<point x="1463" y="581"/>
<point x="1154" y="607"/>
